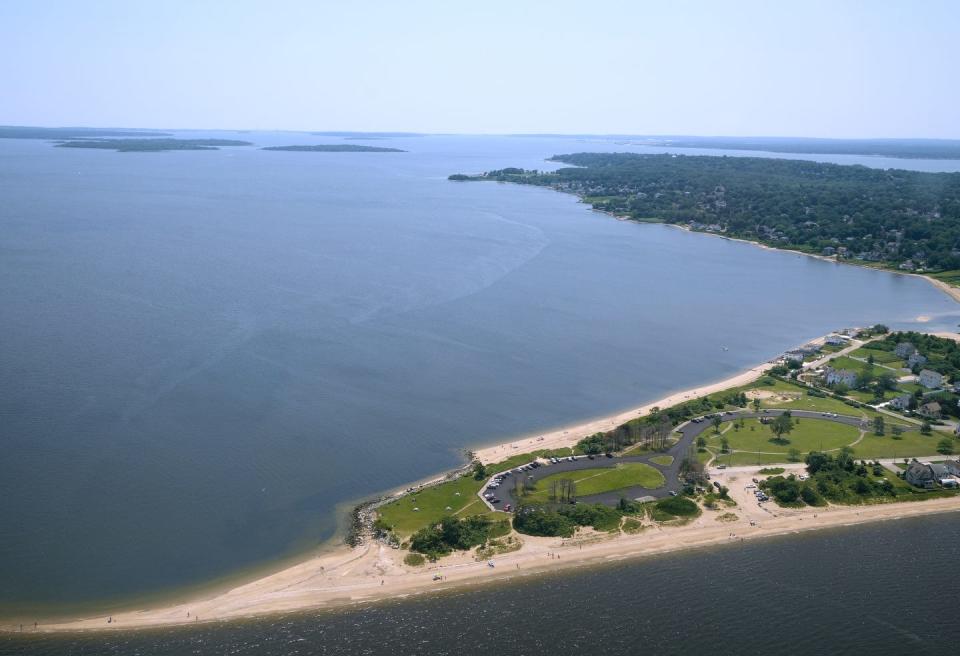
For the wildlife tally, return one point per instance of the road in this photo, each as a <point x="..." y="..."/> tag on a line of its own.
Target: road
<point x="689" y="432"/>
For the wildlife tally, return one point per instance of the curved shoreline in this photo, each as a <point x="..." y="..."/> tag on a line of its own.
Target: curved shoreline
<point x="375" y="572"/>
<point x="343" y="576"/>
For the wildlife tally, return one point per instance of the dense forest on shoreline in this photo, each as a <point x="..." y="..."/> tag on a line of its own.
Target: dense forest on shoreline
<point x="897" y="218"/>
<point x="152" y="145"/>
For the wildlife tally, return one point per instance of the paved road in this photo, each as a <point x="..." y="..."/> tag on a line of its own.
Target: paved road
<point x="689" y="432"/>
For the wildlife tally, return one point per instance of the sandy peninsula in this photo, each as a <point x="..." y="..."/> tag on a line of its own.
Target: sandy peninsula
<point x="374" y="571"/>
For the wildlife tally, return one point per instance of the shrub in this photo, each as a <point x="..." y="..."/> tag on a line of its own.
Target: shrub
<point x="677" y="506"/>
<point x="414" y="559"/>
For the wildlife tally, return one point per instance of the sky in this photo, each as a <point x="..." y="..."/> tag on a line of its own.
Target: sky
<point x="839" y="68"/>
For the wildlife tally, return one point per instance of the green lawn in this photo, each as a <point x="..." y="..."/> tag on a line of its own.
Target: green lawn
<point x="666" y="461"/>
<point x="808" y="435"/>
<point x="911" y="444"/>
<point x="599" y="480"/>
<point x="816" y="404"/>
<point x="880" y="357"/>
<point x="460" y="495"/>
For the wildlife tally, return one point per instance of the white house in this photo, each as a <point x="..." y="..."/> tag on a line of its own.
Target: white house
<point x="901" y="402"/>
<point x="904" y="350"/>
<point x="795" y="356"/>
<point x="930" y="379"/>
<point x="837" y="340"/>
<point x="841" y="377"/>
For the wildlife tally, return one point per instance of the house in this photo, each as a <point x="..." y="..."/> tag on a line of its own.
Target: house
<point x="901" y="402"/>
<point x="930" y="379"/>
<point x="795" y="356"/>
<point x="920" y="475"/>
<point x="841" y="377"/>
<point x="908" y="265"/>
<point x="953" y="467"/>
<point x="916" y="360"/>
<point x="904" y="350"/>
<point x="930" y="410"/>
<point x="829" y="251"/>
<point x="836" y="339"/>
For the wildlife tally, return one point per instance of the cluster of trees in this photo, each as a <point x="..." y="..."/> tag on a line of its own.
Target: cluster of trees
<point x="837" y="478"/>
<point x="564" y="520"/>
<point x="653" y="430"/>
<point x="887" y="216"/>
<point x="450" y="534"/>
<point x="152" y="145"/>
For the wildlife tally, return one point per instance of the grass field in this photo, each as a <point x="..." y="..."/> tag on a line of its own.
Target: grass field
<point x="808" y="435"/>
<point x="431" y="504"/>
<point x="600" y="480"/>
<point x="880" y="357"/>
<point x="666" y="461"/>
<point x="912" y="443"/>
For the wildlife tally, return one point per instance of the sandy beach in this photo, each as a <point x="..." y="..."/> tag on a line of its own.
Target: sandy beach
<point x="570" y="435"/>
<point x="374" y="571"/>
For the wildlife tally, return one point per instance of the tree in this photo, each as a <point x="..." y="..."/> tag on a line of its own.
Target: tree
<point x="945" y="446"/>
<point x="479" y="471"/>
<point x="716" y="424"/>
<point x="724" y="445"/>
<point x="701" y="443"/>
<point x="871" y="360"/>
<point x="897" y="431"/>
<point x="793" y="455"/>
<point x="781" y="426"/>
<point x="756" y="404"/>
<point x="878" y="425"/>
<point x="925" y="428"/>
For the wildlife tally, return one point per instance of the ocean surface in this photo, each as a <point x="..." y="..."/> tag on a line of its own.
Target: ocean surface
<point x="876" y="589"/>
<point x="205" y="354"/>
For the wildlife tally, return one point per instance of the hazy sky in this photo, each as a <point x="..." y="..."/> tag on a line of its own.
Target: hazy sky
<point x="806" y="68"/>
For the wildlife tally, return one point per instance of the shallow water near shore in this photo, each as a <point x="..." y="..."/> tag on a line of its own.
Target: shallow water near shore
<point x="205" y="352"/>
<point x="849" y="590"/>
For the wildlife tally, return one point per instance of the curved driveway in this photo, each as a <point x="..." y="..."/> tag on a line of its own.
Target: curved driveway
<point x="689" y="432"/>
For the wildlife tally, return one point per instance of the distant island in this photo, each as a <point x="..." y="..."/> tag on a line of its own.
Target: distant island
<point x="152" y="145"/>
<point x="22" y="132"/>
<point x="335" y="148"/>
<point x="907" y="220"/>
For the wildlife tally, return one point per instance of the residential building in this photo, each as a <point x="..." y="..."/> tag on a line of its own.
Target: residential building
<point x="841" y="377"/>
<point x="930" y="379"/>
<point x="930" y="410"/>
<point x="901" y="402"/>
<point x="795" y="356"/>
<point x="953" y="467"/>
<point x="916" y="360"/>
<point x="837" y="340"/>
<point x="920" y="475"/>
<point x="904" y="350"/>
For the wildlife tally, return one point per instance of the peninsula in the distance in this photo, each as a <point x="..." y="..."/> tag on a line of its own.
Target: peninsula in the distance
<point x="152" y="145"/>
<point x="335" y="148"/>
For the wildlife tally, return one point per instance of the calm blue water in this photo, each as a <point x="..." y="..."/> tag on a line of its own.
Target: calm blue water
<point x="203" y="353"/>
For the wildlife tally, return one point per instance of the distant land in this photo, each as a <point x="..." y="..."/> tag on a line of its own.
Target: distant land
<point x="902" y="148"/>
<point x="152" y="145"/>
<point x="333" y="133"/>
<point x="20" y="132"/>
<point x="909" y="220"/>
<point x="335" y="148"/>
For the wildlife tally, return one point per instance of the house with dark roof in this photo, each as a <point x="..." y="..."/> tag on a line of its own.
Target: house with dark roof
<point x="920" y="474"/>
<point x="930" y="410"/>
